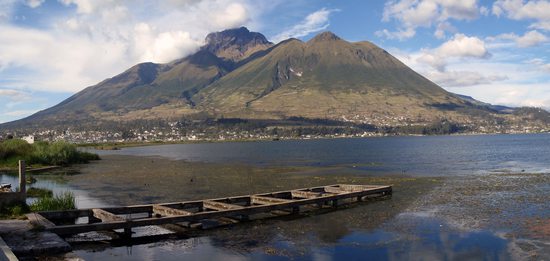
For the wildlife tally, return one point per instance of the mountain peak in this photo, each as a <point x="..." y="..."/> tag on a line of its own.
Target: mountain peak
<point x="325" y="36"/>
<point x="235" y="44"/>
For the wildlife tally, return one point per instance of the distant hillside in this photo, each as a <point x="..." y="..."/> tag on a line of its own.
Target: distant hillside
<point x="238" y="74"/>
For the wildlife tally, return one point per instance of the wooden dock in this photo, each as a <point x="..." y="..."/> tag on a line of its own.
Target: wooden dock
<point x="197" y="214"/>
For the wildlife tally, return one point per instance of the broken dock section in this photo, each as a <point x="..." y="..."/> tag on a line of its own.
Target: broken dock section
<point x="199" y="213"/>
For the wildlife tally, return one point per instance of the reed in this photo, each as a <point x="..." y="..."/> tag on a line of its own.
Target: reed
<point x="63" y="201"/>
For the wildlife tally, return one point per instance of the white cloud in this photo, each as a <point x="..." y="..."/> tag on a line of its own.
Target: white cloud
<point x="462" y="78"/>
<point x="20" y="113"/>
<point x="540" y="63"/>
<point x="531" y="38"/>
<point x="103" y="37"/>
<point x="34" y="3"/>
<point x="510" y="94"/>
<point x="460" y="46"/>
<point x="399" y="34"/>
<point x="521" y="10"/>
<point x="314" y="22"/>
<point x="411" y="14"/>
<point x="14" y="94"/>
<point x="442" y="28"/>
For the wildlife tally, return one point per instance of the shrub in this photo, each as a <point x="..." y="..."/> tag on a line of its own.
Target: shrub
<point x="57" y="153"/>
<point x="12" y="148"/>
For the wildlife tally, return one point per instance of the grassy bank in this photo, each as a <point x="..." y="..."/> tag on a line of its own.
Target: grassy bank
<point x="41" y="153"/>
<point x="46" y="201"/>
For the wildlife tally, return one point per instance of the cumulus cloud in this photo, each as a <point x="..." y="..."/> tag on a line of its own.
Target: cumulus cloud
<point x="95" y="39"/>
<point x="529" y="39"/>
<point x="460" y="46"/>
<point x="412" y="14"/>
<point x="314" y="22"/>
<point x="522" y="10"/>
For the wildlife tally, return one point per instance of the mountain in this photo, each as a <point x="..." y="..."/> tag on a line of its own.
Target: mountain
<point x="325" y="77"/>
<point x="498" y="108"/>
<point x="235" y="44"/>
<point x="240" y="74"/>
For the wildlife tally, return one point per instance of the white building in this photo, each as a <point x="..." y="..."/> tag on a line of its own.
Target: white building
<point x="29" y="139"/>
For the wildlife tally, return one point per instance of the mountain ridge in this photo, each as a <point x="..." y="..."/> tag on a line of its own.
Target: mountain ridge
<point x="240" y="74"/>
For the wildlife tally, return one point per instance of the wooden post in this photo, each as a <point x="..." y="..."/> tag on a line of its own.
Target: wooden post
<point x="22" y="178"/>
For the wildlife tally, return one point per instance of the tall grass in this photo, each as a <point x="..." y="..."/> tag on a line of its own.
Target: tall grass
<point x="57" y="153"/>
<point x="63" y="201"/>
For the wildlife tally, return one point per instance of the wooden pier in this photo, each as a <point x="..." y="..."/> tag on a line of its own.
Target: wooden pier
<point x="197" y="214"/>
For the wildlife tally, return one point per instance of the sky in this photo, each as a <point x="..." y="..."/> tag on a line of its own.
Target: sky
<point x="495" y="51"/>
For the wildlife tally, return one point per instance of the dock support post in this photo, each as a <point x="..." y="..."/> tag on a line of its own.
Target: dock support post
<point x="335" y="203"/>
<point x="22" y="178"/>
<point x="127" y="232"/>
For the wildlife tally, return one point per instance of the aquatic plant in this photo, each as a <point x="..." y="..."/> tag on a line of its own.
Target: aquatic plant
<point x="63" y="201"/>
<point x="39" y="192"/>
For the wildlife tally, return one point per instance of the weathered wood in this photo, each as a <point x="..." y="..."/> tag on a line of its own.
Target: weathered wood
<point x="267" y="200"/>
<point x="22" y="177"/>
<point x="220" y="206"/>
<point x="215" y="209"/>
<point x="167" y="211"/>
<point x="305" y="194"/>
<point x="106" y="216"/>
<point x="39" y="220"/>
<point x="337" y="190"/>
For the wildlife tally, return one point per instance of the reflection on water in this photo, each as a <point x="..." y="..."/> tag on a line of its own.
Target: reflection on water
<point x="57" y="185"/>
<point x="423" y="239"/>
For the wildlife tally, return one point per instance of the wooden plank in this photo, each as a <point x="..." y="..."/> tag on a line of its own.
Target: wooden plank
<point x="267" y="200"/>
<point x="106" y="216"/>
<point x="215" y="205"/>
<point x="5" y="252"/>
<point x="37" y="219"/>
<point x="305" y="194"/>
<point x="336" y="190"/>
<point x="166" y="211"/>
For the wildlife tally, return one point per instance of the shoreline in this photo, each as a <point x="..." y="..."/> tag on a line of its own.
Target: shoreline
<point x="120" y="145"/>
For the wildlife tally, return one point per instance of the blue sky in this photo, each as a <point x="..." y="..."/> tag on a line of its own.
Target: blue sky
<point x="495" y="51"/>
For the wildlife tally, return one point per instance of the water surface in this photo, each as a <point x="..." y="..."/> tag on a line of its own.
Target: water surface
<point x="426" y="156"/>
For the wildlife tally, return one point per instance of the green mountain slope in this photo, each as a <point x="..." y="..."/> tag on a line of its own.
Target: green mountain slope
<point x="325" y="77"/>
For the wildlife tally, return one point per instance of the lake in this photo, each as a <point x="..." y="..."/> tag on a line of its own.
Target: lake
<point x="455" y="197"/>
<point x="425" y="156"/>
